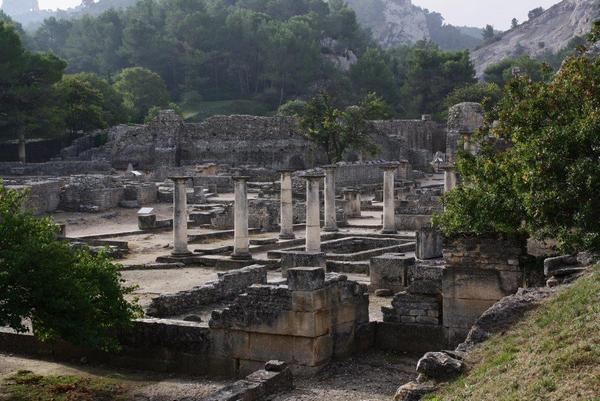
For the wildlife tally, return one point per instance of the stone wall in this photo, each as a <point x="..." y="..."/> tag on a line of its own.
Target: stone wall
<point x="463" y="118"/>
<point x="56" y="168"/>
<point x="43" y="195"/>
<point x="479" y="272"/>
<point x="228" y="286"/>
<point x="273" y="142"/>
<point x="306" y="323"/>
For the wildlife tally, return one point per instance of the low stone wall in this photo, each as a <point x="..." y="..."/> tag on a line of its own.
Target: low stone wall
<point x="228" y="286"/>
<point x="412" y="222"/>
<point x="413" y="308"/>
<point x="479" y="272"/>
<point x="91" y="193"/>
<point x="58" y="168"/>
<point x="43" y="195"/>
<point x="306" y="323"/>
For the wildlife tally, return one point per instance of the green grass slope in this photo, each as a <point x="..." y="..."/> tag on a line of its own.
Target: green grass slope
<point x="552" y="354"/>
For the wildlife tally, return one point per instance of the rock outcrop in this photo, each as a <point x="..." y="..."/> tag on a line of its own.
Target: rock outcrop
<point x="549" y="32"/>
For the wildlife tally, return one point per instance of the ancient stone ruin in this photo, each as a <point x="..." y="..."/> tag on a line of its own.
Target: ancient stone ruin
<point x="249" y="248"/>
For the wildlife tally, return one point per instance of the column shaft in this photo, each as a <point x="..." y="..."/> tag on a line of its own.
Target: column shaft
<point x="241" y="241"/>
<point x="389" y="218"/>
<point x="313" y="224"/>
<point x="330" y="209"/>
<point x="287" y="207"/>
<point x="180" y="237"/>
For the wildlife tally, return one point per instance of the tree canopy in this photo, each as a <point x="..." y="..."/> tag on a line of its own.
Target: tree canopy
<point x="65" y="292"/>
<point x="538" y="170"/>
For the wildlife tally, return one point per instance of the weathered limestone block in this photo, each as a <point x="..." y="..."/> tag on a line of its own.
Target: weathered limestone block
<point x="440" y="366"/>
<point x="389" y="271"/>
<point x="306" y="278"/>
<point x="429" y="244"/>
<point x="291" y="259"/>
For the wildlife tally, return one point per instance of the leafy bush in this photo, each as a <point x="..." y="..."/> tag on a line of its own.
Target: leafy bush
<point x="538" y="170"/>
<point x="66" y="293"/>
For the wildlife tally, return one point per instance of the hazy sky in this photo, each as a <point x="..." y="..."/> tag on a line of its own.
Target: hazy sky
<point x="457" y="12"/>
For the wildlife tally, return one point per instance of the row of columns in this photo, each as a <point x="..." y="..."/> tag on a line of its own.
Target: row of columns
<point x="241" y="242"/>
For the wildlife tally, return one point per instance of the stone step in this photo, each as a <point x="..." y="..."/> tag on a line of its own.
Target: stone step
<point x="348" y="267"/>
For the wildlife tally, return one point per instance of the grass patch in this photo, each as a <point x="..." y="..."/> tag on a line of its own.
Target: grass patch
<point x="28" y="386"/>
<point x="197" y="111"/>
<point x="552" y="355"/>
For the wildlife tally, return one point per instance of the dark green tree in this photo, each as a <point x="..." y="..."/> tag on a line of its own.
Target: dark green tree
<point x="372" y="73"/>
<point x="81" y="104"/>
<point x="141" y="89"/>
<point x="487" y="94"/>
<point x="66" y="293"/>
<point x="338" y="131"/>
<point x="27" y="97"/>
<point x="488" y="34"/>
<point x="514" y="23"/>
<point x="502" y="72"/>
<point x="537" y="171"/>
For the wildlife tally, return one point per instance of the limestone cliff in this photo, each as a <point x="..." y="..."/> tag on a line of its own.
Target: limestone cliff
<point x="549" y="32"/>
<point x="392" y="22"/>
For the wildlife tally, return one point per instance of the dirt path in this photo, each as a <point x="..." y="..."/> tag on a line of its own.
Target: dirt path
<point x="140" y="386"/>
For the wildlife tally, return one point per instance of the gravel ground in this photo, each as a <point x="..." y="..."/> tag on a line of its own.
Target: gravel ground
<point x="374" y="376"/>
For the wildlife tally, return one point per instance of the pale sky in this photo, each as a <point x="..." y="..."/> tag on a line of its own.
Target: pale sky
<point x="499" y="13"/>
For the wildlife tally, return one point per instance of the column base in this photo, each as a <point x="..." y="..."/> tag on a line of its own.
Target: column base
<point x="287" y="236"/>
<point x="181" y="254"/>
<point x="241" y="256"/>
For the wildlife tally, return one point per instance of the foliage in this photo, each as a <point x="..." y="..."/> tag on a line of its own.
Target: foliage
<point x="113" y="111"/>
<point x="141" y="89"/>
<point x="292" y="108"/>
<point x="81" y="104"/>
<point x="153" y="112"/>
<point x="28" y="386"/>
<point x="502" y="72"/>
<point x="551" y="355"/>
<point x="432" y="74"/>
<point x="538" y="169"/>
<point x="372" y="73"/>
<point x="255" y="55"/>
<point x="65" y="292"/>
<point x="27" y="99"/>
<point x="339" y="131"/>
<point x="514" y="23"/>
<point x="488" y="34"/>
<point x="488" y="94"/>
<point x="449" y="37"/>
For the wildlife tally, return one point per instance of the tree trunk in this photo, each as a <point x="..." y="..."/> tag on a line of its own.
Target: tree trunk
<point x="22" y="154"/>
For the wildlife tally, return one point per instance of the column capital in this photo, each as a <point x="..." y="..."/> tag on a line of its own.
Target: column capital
<point x="286" y="170"/>
<point x="177" y="178"/>
<point x="313" y="176"/>
<point x="390" y="166"/>
<point x="240" y="178"/>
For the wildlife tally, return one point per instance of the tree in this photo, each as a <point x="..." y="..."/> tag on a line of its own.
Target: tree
<point x="113" y="110"/>
<point x="537" y="171"/>
<point x="338" y="131"/>
<point x="81" y="104"/>
<point x="431" y="75"/>
<point x="292" y="108"/>
<point x="514" y="23"/>
<point x="27" y="97"/>
<point x="487" y="94"/>
<point x="502" y="72"/>
<point x="66" y="293"/>
<point x="536" y="12"/>
<point x="488" y="34"/>
<point x="141" y="89"/>
<point x="371" y="73"/>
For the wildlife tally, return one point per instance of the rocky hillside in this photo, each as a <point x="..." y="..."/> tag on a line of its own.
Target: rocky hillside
<point x="553" y="354"/>
<point x="549" y="32"/>
<point x="397" y="22"/>
<point x="392" y="21"/>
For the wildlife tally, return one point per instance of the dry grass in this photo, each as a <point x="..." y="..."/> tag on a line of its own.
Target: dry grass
<point x="27" y="386"/>
<point x="552" y="355"/>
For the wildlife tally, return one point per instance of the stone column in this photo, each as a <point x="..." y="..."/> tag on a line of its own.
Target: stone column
<point x="287" y="207"/>
<point x="330" y="211"/>
<point x="353" y="202"/>
<point x="180" y="216"/>
<point x="389" y="204"/>
<point x="241" y="241"/>
<point x="404" y="170"/>
<point x="450" y="178"/>
<point x="313" y="220"/>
